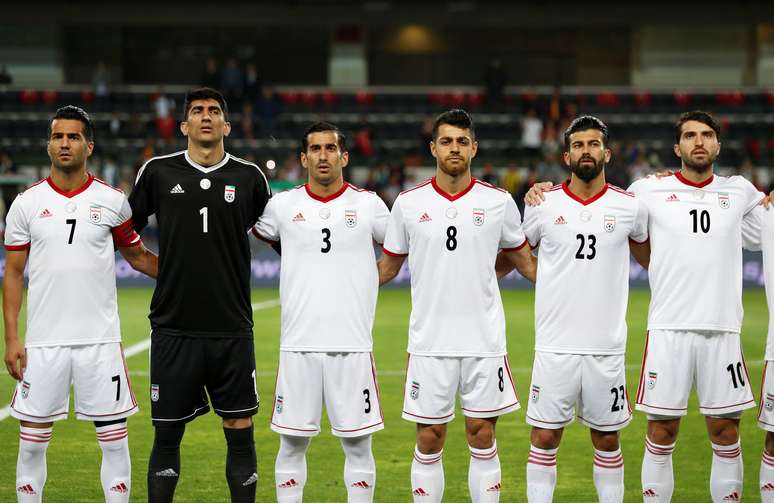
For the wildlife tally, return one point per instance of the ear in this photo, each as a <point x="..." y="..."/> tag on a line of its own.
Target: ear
<point x="719" y="145"/>
<point x="432" y="149"/>
<point x="184" y="128"/>
<point x="676" y="149"/>
<point x="90" y="148"/>
<point x="226" y="129"/>
<point x="566" y="158"/>
<point x="473" y="149"/>
<point x="344" y="159"/>
<point x="304" y="161"/>
<point x="608" y="155"/>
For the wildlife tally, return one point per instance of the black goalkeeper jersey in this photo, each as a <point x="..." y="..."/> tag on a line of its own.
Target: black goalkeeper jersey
<point x="204" y="216"/>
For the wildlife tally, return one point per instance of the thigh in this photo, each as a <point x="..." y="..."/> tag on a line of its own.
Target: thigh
<point x="298" y="394"/>
<point x="604" y="403"/>
<point x="487" y="388"/>
<point x="722" y="382"/>
<point x="666" y="377"/>
<point x="231" y="377"/>
<point x="766" y="407"/>
<point x="103" y="391"/>
<point x="43" y="395"/>
<point x="430" y="389"/>
<point x="177" y="376"/>
<point x="351" y="394"/>
<point x="556" y="386"/>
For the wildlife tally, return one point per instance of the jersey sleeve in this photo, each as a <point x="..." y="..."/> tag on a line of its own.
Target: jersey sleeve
<point x="267" y="227"/>
<point x="512" y="235"/>
<point x="636" y="186"/>
<point x="396" y="241"/>
<point x="17" y="228"/>
<point x="752" y="224"/>
<point x="531" y="225"/>
<point x="639" y="232"/>
<point x="381" y="217"/>
<point x="752" y="196"/>
<point x="123" y="228"/>
<point x="142" y="199"/>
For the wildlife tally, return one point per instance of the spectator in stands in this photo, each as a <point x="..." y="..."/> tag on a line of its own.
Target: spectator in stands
<point x="109" y="171"/>
<point x="232" y="81"/>
<point x="210" y="77"/>
<point x="291" y="169"/>
<point x="362" y="137"/>
<point x="551" y="138"/>
<point x="550" y="169"/>
<point x="489" y="175"/>
<point x="268" y="108"/>
<point x="413" y="158"/>
<point x="512" y="179"/>
<point x="5" y="76"/>
<point x="528" y="183"/>
<point x="426" y="129"/>
<point x="101" y="81"/>
<point x="393" y="188"/>
<point x="252" y="83"/>
<point x="248" y="120"/>
<point x="639" y="168"/>
<point x="531" y="135"/>
<point x="114" y="126"/>
<point x="9" y="192"/>
<point x="165" y="122"/>
<point x="747" y="170"/>
<point x="495" y="80"/>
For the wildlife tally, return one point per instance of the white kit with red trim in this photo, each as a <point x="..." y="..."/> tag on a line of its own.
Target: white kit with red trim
<point x="696" y="250"/>
<point x="583" y="268"/>
<point x="452" y="243"/>
<point x="326" y="241"/>
<point x="71" y="237"/>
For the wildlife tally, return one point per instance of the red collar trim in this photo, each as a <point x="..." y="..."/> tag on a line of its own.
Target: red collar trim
<point x="326" y="199"/>
<point x="584" y="202"/>
<point x="455" y="196"/>
<point x="686" y="181"/>
<point x="72" y="193"/>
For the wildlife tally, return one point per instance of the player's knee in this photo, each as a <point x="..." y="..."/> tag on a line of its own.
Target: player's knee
<point x="481" y="434"/>
<point x="237" y="423"/>
<point x="769" y="445"/>
<point x="663" y="432"/>
<point x="430" y="438"/>
<point x="168" y="436"/>
<point x="543" y="438"/>
<point x="723" y="431"/>
<point x="605" y="440"/>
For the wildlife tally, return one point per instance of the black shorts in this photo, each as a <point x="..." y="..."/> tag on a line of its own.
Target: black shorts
<point x="182" y="368"/>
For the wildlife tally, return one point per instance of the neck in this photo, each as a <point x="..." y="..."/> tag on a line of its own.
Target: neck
<point x="696" y="176"/>
<point x="321" y="190"/>
<point x="584" y="189"/>
<point x="206" y="155"/>
<point x="452" y="184"/>
<point x="68" y="182"/>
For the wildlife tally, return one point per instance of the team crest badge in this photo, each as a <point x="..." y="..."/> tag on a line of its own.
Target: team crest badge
<point x="535" y="394"/>
<point x="723" y="200"/>
<point x="652" y="376"/>
<point x="414" y="390"/>
<point x="230" y="193"/>
<point x="278" y="404"/>
<point x="350" y="218"/>
<point x="154" y="392"/>
<point x="25" y="389"/>
<point x="478" y="216"/>
<point x="769" y="403"/>
<point x="609" y="223"/>
<point x="95" y="214"/>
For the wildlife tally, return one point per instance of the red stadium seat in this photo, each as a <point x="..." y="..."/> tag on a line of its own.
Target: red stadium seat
<point x="329" y="98"/>
<point x="643" y="99"/>
<point x="364" y="98"/>
<point x="309" y="98"/>
<point x="50" y="97"/>
<point x="475" y="99"/>
<point x="770" y="97"/>
<point x="681" y="98"/>
<point x="609" y="100"/>
<point x="456" y="99"/>
<point x="288" y="97"/>
<point x="87" y="96"/>
<point x="28" y="96"/>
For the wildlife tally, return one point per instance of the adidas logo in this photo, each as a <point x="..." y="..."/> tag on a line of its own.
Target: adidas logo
<point x="734" y="496"/>
<point x="420" y="492"/>
<point x="650" y="493"/>
<point x="424" y="218"/>
<point x="169" y="472"/>
<point x="45" y="213"/>
<point x="119" y="488"/>
<point x="290" y="483"/>
<point x="299" y="218"/>
<point x="26" y="489"/>
<point x="177" y="189"/>
<point x="252" y="480"/>
<point x="673" y="198"/>
<point x="495" y="488"/>
<point x="362" y="484"/>
<point x="560" y="220"/>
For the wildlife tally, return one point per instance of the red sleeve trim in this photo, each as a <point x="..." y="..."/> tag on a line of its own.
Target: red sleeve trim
<point x="132" y="245"/>
<point x="265" y="240"/>
<point x="639" y="242"/>
<point x="124" y="235"/>
<point x="17" y="247"/>
<point x="522" y="245"/>
<point x="393" y="254"/>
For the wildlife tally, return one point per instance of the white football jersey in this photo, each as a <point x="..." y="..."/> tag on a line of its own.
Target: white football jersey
<point x="696" y="250"/>
<point x="328" y="277"/>
<point x="71" y="237"/>
<point x="452" y="244"/>
<point x="758" y="234"/>
<point x="582" y="284"/>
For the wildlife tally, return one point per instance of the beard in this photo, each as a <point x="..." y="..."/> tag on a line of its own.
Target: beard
<point x="586" y="172"/>
<point x="454" y="169"/>
<point x="699" y="166"/>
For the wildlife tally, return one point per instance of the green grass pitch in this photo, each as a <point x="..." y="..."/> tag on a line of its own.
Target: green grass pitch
<point x="73" y="455"/>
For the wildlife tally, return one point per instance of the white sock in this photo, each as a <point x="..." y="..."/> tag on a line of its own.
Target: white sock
<point x="609" y="475"/>
<point x="541" y="475"/>
<point x="484" y="475"/>
<point x="31" y="463"/>
<point x="116" y="471"/>
<point x="290" y="468"/>
<point x="658" y="481"/>
<point x="727" y="473"/>
<point x="767" y="478"/>
<point x="427" y="482"/>
<point x="359" y="469"/>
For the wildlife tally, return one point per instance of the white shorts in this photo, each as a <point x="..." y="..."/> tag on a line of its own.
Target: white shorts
<point x="766" y="407"/>
<point x="345" y="382"/>
<point x="485" y="384"/>
<point x="676" y="359"/>
<point x="596" y="383"/>
<point x="97" y="372"/>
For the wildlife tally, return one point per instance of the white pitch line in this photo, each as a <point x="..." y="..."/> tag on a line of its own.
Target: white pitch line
<point x="144" y="345"/>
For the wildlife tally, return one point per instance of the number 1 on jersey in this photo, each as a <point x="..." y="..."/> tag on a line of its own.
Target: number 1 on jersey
<point x="203" y="213"/>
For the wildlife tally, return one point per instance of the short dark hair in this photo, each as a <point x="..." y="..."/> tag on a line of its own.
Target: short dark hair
<point x="204" y="93"/>
<point x="584" y="123"/>
<point x="320" y="127"/>
<point x="454" y="117"/>
<point x="72" y="112"/>
<point x="698" y="116"/>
